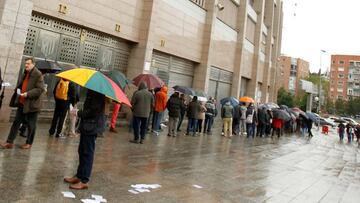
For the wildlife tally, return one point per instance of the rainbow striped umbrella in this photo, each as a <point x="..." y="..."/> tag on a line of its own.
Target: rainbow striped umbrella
<point x="97" y="82"/>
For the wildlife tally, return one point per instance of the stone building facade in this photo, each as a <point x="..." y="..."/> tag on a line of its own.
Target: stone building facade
<point x="222" y="47"/>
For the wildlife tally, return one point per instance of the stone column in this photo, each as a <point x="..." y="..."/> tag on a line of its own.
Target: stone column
<point x="277" y="29"/>
<point x="202" y="70"/>
<point x="269" y="16"/>
<point x="241" y="27"/>
<point x="15" y="16"/>
<point x="252" y="88"/>
<point x="141" y="54"/>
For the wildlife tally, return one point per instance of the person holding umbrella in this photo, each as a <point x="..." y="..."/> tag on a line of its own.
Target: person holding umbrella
<point x="142" y="102"/>
<point x="236" y="119"/>
<point x="209" y="115"/>
<point x="91" y="124"/>
<point x="341" y="130"/>
<point x="227" y="113"/>
<point x="182" y="111"/>
<point x="192" y="112"/>
<point x="251" y="119"/>
<point x="91" y="116"/>
<point x="174" y="108"/>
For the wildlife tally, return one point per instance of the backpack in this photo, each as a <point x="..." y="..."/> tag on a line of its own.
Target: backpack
<point x="62" y="89"/>
<point x="250" y="117"/>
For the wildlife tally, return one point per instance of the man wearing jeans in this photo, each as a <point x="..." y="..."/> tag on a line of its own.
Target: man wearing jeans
<point x="142" y="102"/>
<point x="30" y="89"/>
<point x="192" y="112"/>
<point x="209" y="115"/>
<point x="160" y="106"/>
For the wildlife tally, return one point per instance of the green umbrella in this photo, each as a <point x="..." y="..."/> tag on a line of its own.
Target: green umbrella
<point x="119" y="78"/>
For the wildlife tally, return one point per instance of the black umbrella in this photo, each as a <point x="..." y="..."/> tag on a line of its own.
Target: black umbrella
<point x="184" y="90"/>
<point x="45" y="66"/>
<point x="281" y="114"/>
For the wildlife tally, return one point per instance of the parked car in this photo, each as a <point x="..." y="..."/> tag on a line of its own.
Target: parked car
<point x="331" y="122"/>
<point x="324" y="121"/>
<point x="350" y="120"/>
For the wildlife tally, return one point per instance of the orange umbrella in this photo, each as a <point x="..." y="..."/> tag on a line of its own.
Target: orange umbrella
<point x="246" y="100"/>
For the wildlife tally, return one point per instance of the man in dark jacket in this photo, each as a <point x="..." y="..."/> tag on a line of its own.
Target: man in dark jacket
<point x="236" y="120"/>
<point x="182" y="111"/>
<point x="30" y="88"/>
<point x="192" y="112"/>
<point x="174" y="107"/>
<point x="142" y="102"/>
<point x="261" y="122"/>
<point x="91" y="124"/>
<point x="64" y="95"/>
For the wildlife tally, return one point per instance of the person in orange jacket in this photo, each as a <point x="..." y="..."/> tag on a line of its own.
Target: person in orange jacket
<point x="160" y="106"/>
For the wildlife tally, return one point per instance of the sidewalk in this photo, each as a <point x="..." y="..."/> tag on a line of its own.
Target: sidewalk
<point x="289" y="169"/>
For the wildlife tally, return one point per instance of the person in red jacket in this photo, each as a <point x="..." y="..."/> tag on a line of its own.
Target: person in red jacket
<point x="160" y="106"/>
<point x="277" y="125"/>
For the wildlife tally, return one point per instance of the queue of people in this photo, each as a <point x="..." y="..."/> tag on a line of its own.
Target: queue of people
<point x="147" y="105"/>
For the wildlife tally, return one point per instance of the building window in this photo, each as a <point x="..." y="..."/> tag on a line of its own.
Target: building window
<point x="333" y="62"/>
<point x="340" y="97"/>
<point x="250" y="30"/>
<point x="341" y="62"/>
<point x="350" y="92"/>
<point x="339" y="90"/>
<point x="352" y="63"/>
<point x="341" y="68"/>
<point x="341" y="75"/>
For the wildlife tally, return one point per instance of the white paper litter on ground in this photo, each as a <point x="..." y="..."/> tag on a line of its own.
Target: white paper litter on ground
<point x="133" y="191"/>
<point x="90" y="201"/>
<point x="198" y="186"/>
<point x="146" y="186"/>
<point x="68" y="194"/>
<point x="99" y="198"/>
<point x="142" y="190"/>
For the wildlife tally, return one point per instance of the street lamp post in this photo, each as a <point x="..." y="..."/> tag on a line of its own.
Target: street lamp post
<point x="319" y="93"/>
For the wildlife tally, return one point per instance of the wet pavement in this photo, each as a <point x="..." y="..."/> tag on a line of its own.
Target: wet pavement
<point x="289" y="169"/>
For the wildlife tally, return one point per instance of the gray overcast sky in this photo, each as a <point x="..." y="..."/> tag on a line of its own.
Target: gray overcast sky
<point x="330" y="25"/>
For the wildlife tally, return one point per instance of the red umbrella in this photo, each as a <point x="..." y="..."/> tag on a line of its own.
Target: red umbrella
<point x="151" y="81"/>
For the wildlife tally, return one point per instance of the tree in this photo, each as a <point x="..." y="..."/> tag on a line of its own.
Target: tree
<point x="300" y="101"/>
<point x="340" y="107"/>
<point x="285" y="98"/>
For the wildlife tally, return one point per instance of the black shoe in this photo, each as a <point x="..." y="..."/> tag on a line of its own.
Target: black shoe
<point x="178" y="130"/>
<point x="141" y="142"/>
<point x="134" y="141"/>
<point x="168" y="135"/>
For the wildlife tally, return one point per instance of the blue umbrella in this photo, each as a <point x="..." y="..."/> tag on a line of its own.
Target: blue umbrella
<point x="233" y="101"/>
<point x="312" y="116"/>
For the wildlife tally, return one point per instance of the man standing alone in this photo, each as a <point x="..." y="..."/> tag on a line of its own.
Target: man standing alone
<point x="31" y="87"/>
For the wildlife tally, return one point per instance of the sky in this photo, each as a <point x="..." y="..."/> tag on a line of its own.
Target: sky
<point x="313" y="25"/>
